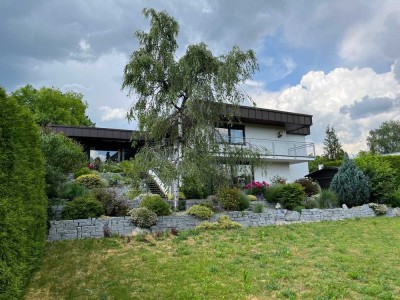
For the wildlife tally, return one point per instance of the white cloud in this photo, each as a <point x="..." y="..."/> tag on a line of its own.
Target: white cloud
<point x="323" y="96"/>
<point x="112" y="113"/>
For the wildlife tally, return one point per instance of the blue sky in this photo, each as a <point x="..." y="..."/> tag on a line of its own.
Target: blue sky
<point x="337" y="60"/>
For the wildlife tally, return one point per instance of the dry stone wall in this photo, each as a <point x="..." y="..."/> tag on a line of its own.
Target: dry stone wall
<point x="95" y="228"/>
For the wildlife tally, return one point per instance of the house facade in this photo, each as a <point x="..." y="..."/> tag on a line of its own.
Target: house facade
<point x="280" y="135"/>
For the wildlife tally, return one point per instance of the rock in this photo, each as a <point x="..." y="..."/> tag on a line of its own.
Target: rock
<point x="278" y="206"/>
<point x="344" y="206"/>
<point x="138" y="231"/>
<point x="396" y="212"/>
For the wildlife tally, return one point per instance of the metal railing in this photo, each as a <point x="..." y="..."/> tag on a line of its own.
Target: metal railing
<point x="280" y="148"/>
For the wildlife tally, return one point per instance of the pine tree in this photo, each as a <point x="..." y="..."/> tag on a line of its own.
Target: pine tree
<point x="333" y="148"/>
<point x="350" y="184"/>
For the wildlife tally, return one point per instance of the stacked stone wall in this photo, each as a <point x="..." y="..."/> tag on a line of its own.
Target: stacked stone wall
<point x="95" y="228"/>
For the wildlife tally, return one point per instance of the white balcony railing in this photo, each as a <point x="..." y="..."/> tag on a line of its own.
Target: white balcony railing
<point x="276" y="148"/>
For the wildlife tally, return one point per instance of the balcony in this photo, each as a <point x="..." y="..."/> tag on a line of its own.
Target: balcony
<point x="285" y="151"/>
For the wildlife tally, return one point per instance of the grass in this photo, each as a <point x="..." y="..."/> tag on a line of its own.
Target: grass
<point x="353" y="259"/>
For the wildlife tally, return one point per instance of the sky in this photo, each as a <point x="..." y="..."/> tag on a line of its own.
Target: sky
<point x="338" y="60"/>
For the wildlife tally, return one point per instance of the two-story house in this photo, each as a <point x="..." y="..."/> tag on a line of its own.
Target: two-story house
<point x="282" y="134"/>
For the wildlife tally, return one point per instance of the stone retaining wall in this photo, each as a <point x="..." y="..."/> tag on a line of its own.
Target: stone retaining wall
<point x="86" y="228"/>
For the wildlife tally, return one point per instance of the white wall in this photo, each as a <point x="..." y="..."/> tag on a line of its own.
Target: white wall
<point x="290" y="171"/>
<point x="270" y="133"/>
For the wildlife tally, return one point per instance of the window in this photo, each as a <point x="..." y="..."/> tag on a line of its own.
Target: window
<point x="232" y="134"/>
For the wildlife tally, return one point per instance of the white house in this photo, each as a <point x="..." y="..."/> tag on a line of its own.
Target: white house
<point x="282" y="133"/>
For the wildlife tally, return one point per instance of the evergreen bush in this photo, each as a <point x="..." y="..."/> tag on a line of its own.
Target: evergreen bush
<point x="90" y="181"/>
<point x="23" y="202"/>
<point x="82" y="208"/>
<point x="229" y="198"/>
<point x="244" y="201"/>
<point x="290" y="195"/>
<point x="328" y="199"/>
<point x="201" y="212"/>
<point x="72" y="189"/>
<point x="271" y="192"/>
<point x="157" y="204"/>
<point x="350" y="184"/>
<point x="82" y="171"/>
<point x="143" y="217"/>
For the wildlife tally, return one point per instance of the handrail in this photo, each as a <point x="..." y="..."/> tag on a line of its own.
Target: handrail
<point x="165" y="189"/>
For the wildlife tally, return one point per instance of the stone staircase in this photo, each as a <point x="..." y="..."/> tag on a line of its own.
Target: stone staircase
<point x="152" y="185"/>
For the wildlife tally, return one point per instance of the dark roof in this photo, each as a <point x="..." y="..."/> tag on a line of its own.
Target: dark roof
<point x="294" y="123"/>
<point x="322" y="171"/>
<point x="93" y="132"/>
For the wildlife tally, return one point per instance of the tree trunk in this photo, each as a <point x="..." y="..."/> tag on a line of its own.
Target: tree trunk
<point x="178" y="158"/>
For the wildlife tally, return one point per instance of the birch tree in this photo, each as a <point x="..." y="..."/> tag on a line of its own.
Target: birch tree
<point x="179" y="102"/>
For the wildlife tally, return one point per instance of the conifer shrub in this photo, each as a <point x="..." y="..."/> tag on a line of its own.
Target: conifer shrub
<point x="271" y="192"/>
<point x="328" y="199"/>
<point x="90" y="181"/>
<point x="310" y="186"/>
<point x="229" y="198"/>
<point x="350" y="184"/>
<point x="143" y="217"/>
<point x="252" y="197"/>
<point x="82" y="208"/>
<point x="201" y="212"/>
<point x="23" y="202"/>
<point x="223" y="223"/>
<point x="72" y="189"/>
<point x="156" y="204"/>
<point x="82" y="171"/>
<point x="244" y="202"/>
<point x="290" y="195"/>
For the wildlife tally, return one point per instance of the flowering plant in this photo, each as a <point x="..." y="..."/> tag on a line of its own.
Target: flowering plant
<point x="256" y="187"/>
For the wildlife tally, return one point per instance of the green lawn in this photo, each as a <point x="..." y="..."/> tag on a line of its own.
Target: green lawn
<point x="354" y="259"/>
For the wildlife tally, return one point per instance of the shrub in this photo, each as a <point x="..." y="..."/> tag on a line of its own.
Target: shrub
<point x="311" y="202"/>
<point x="223" y="223"/>
<point x="298" y="208"/>
<point x="328" y="199"/>
<point x="229" y="198"/>
<point x="72" y="189"/>
<point x="112" y="204"/>
<point x="201" y="212"/>
<point x="132" y="194"/>
<point x="181" y="196"/>
<point x="394" y="161"/>
<point x="379" y="209"/>
<point x="181" y="205"/>
<point x="290" y="195"/>
<point x="258" y="208"/>
<point x="111" y="167"/>
<point x="395" y="199"/>
<point x="23" y="202"/>
<point x="82" y="171"/>
<point x="156" y="204"/>
<point x="256" y="188"/>
<point x="143" y="217"/>
<point x="271" y="192"/>
<point x="113" y="179"/>
<point x="252" y="198"/>
<point x="380" y="174"/>
<point x="310" y="187"/>
<point x="82" y="208"/>
<point x="244" y="202"/>
<point x="208" y="203"/>
<point x="90" y="181"/>
<point x="350" y="184"/>
<point x="192" y="188"/>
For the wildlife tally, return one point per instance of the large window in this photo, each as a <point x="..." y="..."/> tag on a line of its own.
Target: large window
<point x="232" y="134"/>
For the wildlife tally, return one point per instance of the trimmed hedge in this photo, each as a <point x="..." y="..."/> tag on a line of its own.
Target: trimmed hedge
<point x="23" y="202"/>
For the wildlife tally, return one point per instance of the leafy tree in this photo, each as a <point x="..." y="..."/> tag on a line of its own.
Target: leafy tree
<point x="51" y="106"/>
<point x="350" y="184"/>
<point x="179" y="102"/>
<point x="385" y="139"/>
<point x="62" y="155"/>
<point x="380" y="174"/>
<point x="332" y="147"/>
<point x="22" y="199"/>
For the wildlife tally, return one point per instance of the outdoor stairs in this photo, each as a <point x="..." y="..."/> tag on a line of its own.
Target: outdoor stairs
<point x="152" y="185"/>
